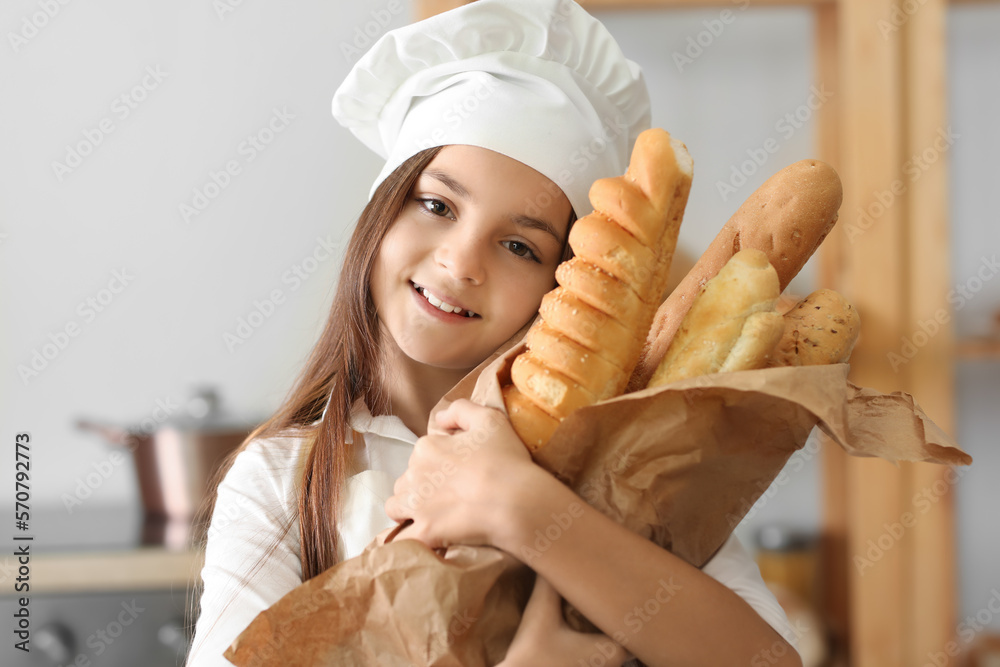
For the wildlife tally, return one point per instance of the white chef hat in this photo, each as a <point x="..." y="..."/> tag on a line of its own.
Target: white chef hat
<point x="540" y="81"/>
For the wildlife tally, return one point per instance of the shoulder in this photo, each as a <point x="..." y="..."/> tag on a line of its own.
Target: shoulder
<point x="268" y="468"/>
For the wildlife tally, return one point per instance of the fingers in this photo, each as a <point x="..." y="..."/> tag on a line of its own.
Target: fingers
<point x="465" y="415"/>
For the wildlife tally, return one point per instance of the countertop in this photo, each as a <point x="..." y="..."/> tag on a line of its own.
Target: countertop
<point x="100" y="549"/>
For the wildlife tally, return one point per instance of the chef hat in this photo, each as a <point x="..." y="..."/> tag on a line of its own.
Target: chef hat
<point x="540" y="81"/>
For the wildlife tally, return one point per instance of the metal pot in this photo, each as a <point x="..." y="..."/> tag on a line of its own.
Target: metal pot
<point x="175" y="461"/>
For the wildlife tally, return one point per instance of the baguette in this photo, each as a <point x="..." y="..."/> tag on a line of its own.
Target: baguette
<point x="820" y="329"/>
<point x="787" y="218"/>
<point x="591" y="329"/>
<point x="732" y="324"/>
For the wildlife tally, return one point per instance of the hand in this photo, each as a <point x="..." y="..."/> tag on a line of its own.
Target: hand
<point x="544" y="639"/>
<point x="462" y="478"/>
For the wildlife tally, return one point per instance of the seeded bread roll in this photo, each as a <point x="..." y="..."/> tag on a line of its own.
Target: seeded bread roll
<point x="595" y="373"/>
<point x="787" y="218"/>
<point x="533" y="425"/>
<point x="600" y="289"/>
<point x="591" y="328"/>
<point x="731" y="325"/>
<point x="820" y="329"/>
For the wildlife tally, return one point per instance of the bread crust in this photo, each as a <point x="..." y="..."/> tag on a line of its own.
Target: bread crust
<point x="787" y="218"/>
<point x="532" y="424"/>
<point x="821" y="329"/>
<point x="714" y="334"/>
<point x="591" y="328"/>
<point x="601" y="290"/>
<point x="589" y="369"/>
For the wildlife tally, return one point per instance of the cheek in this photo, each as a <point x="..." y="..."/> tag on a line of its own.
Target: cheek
<point x="523" y="294"/>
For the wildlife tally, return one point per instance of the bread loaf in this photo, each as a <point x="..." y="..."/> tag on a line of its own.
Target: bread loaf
<point x="786" y="218"/>
<point x="732" y="324"/>
<point x="820" y="329"/>
<point x="591" y="330"/>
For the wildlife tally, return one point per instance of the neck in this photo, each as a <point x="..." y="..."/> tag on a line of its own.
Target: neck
<point x="414" y="389"/>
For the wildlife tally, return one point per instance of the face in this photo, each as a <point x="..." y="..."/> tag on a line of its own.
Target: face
<point x="480" y="233"/>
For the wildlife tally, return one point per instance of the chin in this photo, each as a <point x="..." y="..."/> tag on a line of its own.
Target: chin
<point x="434" y="359"/>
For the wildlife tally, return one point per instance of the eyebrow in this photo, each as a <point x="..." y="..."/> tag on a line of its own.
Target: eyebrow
<point x="535" y="223"/>
<point x="518" y="219"/>
<point x="455" y="186"/>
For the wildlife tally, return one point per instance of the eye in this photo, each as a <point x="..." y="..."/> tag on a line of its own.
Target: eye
<point x="520" y="249"/>
<point x="436" y="207"/>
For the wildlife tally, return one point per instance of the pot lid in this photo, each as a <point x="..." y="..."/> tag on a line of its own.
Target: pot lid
<point x="203" y="411"/>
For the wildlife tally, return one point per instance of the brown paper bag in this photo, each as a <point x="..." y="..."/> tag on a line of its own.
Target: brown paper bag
<point x="680" y="465"/>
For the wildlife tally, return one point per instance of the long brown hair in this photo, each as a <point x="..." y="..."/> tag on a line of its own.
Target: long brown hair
<point x="336" y="374"/>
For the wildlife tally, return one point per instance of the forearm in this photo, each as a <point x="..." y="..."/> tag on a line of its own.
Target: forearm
<point x="659" y="607"/>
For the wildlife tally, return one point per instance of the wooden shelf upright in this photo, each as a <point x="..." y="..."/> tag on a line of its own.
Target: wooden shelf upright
<point x="885" y="61"/>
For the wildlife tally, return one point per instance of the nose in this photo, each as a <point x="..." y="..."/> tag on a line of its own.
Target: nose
<point x="462" y="253"/>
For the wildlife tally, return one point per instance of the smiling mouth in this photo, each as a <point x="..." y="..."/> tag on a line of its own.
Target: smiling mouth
<point x="441" y="305"/>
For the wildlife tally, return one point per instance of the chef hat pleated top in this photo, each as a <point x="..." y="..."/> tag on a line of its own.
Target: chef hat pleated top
<point x="540" y="81"/>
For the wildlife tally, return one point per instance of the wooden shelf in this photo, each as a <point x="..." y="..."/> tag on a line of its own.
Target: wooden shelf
<point x="978" y="348"/>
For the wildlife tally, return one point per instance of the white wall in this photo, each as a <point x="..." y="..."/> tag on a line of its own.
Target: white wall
<point x="61" y="240"/>
<point x="974" y="106"/>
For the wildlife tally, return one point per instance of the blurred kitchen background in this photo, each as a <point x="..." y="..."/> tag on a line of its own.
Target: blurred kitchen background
<point x="174" y="201"/>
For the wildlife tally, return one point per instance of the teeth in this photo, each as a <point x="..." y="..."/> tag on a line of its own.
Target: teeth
<point x="441" y="305"/>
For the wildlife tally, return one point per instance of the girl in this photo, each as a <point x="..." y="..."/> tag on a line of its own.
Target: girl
<point x="494" y="119"/>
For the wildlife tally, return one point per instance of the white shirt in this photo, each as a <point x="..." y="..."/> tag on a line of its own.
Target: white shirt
<point x="258" y="498"/>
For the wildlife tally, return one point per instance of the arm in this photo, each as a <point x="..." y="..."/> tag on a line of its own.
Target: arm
<point x="242" y="576"/>
<point x="645" y="598"/>
<point x="656" y="605"/>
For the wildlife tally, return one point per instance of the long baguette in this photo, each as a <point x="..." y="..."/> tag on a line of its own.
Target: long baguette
<point x="591" y="328"/>
<point x="787" y="218"/>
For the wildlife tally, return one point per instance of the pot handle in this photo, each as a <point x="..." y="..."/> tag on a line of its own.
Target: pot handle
<point x="116" y="435"/>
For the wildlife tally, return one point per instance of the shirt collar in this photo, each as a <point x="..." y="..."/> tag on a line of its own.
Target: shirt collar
<point x="387" y="426"/>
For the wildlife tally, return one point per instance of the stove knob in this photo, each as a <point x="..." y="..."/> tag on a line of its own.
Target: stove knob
<point x="56" y="641"/>
<point x="173" y="635"/>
